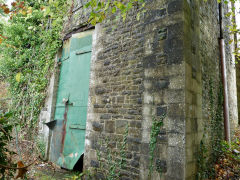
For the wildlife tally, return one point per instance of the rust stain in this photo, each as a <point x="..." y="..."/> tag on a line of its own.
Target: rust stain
<point x="64" y="126"/>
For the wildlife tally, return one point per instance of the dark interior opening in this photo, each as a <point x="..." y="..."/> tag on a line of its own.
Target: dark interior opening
<point x="79" y="165"/>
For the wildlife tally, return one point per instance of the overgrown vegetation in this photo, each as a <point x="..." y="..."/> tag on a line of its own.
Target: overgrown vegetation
<point x="5" y="138"/>
<point x="210" y="146"/>
<point x="156" y="128"/>
<point x="31" y="40"/>
<point x="99" y="10"/>
<point x="228" y="164"/>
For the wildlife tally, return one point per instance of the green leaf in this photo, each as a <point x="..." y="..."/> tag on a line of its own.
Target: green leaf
<point x="18" y="77"/>
<point x="129" y="6"/>
<point x="47" y="11"/>
<point x="114" y="10"/>
<point x="87" y="5"/>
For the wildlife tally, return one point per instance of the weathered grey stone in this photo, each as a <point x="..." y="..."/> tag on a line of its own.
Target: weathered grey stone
<point x="161" y="111"/>
<point x="129" y="155"/>
<point x="154" y="15"/>
<point x="136" y="124"/>
<point x="162" y="138"/>
<point x="110" y="126"/>
<point x="175" y="6"/>
<point x="105" y="116"/>
<point x="134" y="163"/>
<point x="173" y="30"/>
<point x="121" y="126"/>
<point x="98" y="106"/>
<point x="100" y="176"/>
<point x="160" y="84"/>
<point x="94" y="163"/>
<point x="161" y="166"/>
<point x="97" y="126"/>
<point x="99" y="91"/>
<point x="124" y="178"/>
<point x="173" y="47"/>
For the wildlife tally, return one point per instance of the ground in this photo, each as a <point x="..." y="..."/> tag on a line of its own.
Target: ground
<point x="45" y="171"/>
<point x="40" y="169"/>
<point x="228" y="165"/>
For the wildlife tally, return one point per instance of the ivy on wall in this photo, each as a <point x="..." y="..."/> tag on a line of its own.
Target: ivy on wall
<point x="211" y="143"/>
<point x="99" y="9"/>
<point x="31" y="40"/>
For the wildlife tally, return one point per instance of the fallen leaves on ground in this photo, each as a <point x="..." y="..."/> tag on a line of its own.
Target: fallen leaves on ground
<point x="228" y="165"/>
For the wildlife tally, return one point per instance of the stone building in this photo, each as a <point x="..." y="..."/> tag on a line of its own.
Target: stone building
<point x="164" y="66"/>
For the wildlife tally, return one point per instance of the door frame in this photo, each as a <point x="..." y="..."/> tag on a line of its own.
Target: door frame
<point x="50" y="102"/>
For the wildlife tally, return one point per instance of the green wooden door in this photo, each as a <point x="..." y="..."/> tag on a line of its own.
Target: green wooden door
<point x="72" y="100"/>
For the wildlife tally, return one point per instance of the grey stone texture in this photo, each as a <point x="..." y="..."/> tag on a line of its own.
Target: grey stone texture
<point x="204" y="80"/>
<point x="138" y="72"/>
<point x="163" y="64"/>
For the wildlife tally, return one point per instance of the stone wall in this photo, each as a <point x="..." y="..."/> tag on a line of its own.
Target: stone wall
<point x="203" y="93"/>
<point x="137" y="74"/>
<point x="202" y="77"/>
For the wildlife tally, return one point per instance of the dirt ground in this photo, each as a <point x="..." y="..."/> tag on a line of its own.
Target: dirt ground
<point x="39" y="170"/>
<point x="45" y="171"/>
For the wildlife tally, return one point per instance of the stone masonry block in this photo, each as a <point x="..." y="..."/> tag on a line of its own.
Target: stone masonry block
<point x="110" y="126"/>
<point x="161" y="111"/>
<point x="175" y="6"/>
<point x="97" y="126"/>
<point x="121" y="126"/>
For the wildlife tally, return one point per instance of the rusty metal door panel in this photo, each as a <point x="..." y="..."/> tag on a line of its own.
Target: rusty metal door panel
<point x="72" y="100"/>
<point x="55" y="146"/>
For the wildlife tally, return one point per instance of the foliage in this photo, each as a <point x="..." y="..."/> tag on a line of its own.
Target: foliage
<point x="228" y="164"/>
<point x="232" y="26"/>
<point x="41" y="147"/>
<point x="32" y="38"/>
<point x="210" y="145"/>
<point x="99" y="9"/>
<point x="156" y="128"/>
<point x="5" y="130"/>
<point x="114" y="165"/>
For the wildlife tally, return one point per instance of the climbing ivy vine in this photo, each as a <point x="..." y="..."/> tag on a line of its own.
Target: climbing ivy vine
<point x="31" y="38"/>
<point x="211" y="143"/>
<point x="155" y="130"/>
<point x="99" y="9"/>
